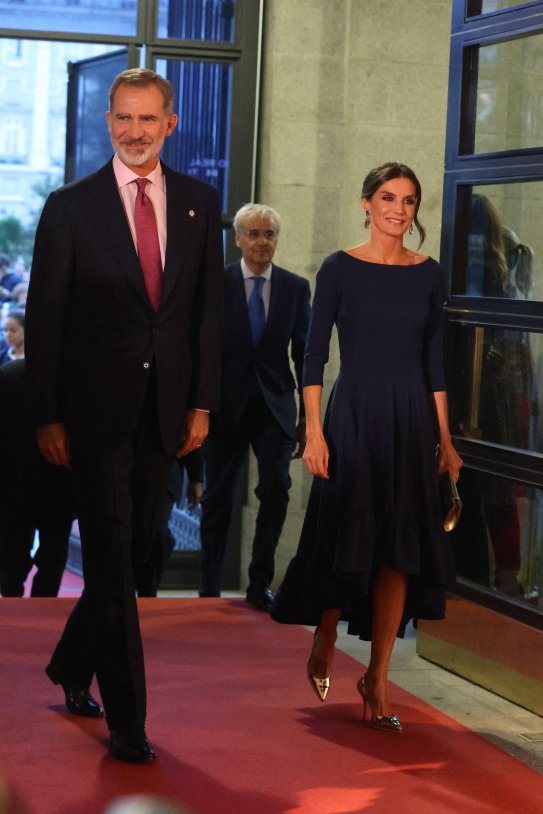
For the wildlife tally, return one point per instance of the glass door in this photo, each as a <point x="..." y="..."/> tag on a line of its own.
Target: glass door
<point x="492" y="250"/>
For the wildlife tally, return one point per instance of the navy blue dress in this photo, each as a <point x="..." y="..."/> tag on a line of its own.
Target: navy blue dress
<point x="381" y="504"/>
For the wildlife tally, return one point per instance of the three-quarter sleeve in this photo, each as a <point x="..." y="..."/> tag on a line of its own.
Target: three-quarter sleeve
<point x="323" y="316"/>
<point x="434" y="337"/>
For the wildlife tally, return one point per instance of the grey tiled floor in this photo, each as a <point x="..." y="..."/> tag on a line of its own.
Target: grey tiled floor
<point x="504" y="724"/>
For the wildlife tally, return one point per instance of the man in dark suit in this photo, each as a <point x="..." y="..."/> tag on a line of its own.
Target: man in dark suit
<point x="266" y="312"/>
<point x="123" y="330"/>
<point x="34" y="496"/>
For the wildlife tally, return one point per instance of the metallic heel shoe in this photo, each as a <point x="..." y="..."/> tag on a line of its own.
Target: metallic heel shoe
<point x="319" y="685"/>
<point x="382" y="722"/>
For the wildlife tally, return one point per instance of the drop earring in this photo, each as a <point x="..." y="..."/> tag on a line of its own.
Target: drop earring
<point x="368" y="220"/>
<point x="411" y="228"/>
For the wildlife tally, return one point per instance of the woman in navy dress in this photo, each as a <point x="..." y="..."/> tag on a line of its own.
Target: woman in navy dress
<point x="372" y="548"/>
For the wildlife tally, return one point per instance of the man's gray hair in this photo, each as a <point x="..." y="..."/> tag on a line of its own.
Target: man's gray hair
<point x="143" y="78"/>
<point x="256" y="210"/>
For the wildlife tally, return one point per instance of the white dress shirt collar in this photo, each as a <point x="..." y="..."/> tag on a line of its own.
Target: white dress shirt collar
<point x="247" y="273"/>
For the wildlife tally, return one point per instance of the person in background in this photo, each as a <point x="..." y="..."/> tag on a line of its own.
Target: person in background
<point x="35" y="496"/>
<point x="266" y="314"/>
<point x="372" y="548"/>
<point x="8" y="279"/>
<point x="13" y="326"/>
<point x="124" y="319"/>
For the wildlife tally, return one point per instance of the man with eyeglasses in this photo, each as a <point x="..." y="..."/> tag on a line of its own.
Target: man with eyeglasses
<point x="266" y="315"/>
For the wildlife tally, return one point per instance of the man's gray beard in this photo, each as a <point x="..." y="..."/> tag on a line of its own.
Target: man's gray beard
<point x="128" y="157"/>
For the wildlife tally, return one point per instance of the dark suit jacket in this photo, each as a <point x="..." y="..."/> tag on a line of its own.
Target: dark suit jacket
<point x="18" y="448"/>
<point x="91" y="333"/>
<point x="268" y="364"/>
<point x="25" y="476"/>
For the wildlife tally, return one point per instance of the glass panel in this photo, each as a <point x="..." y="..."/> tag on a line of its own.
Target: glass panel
<point x="475" y="7"/>
<point x="509" y="115"/>
<point x="499" y="539"/>
<point x="504" y="243"/>
<point x="200" y="143"/>
<point x="496" y="385"/>
<point x="77" y="16"/>
<point x="33" y="133"/>
<point x="90" y="80"/>
<point x="197" y="19"/>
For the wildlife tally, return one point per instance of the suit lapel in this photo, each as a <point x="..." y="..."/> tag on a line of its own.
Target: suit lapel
<point x="239" y="304"/>
<point x="274" y="310"/>
<point x="181" y="214"/>
<point x="109" y="217"/>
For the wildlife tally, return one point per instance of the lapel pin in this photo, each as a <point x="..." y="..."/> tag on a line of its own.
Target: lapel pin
<point x="191" y="213"/>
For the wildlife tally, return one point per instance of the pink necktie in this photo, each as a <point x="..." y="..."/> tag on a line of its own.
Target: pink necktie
<point x="148" y="244"/>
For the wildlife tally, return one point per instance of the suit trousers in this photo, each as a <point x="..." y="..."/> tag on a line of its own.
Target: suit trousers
<point x="224" y="453"/>
<point x="117" y="498"/>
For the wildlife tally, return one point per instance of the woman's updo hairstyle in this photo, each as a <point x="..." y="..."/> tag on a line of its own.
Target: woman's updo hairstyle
<point x="386" y="172"/>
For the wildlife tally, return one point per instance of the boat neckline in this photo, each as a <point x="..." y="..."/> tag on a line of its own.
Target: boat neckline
<point x="386" y="265"/>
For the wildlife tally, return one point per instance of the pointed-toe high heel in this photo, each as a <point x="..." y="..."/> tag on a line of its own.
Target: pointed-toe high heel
<point x="319" y="685"/>
<point x="382" y="722"/>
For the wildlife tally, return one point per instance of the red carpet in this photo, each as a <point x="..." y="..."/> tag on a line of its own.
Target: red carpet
<point x="237" y="729"/>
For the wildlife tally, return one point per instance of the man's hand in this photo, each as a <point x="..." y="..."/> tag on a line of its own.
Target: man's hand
<point x="299" y="441"/>
<point x="53" y="444"/>
<point x="196" y="430"/>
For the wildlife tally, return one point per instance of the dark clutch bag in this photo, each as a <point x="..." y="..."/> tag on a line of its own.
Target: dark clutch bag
<point x="450" y="502"/>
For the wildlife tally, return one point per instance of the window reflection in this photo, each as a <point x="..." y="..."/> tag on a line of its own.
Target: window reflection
<point x="475" y="7"/>
<point x="499" y="540"/>
<point x="81" y="16"/>
<point x="504" y="243"/>
<point x="499" y="264"/>
<point x="200" y="144"/>
<point x="197" y="19"/>
<point x="508" y="113"/>
<point x="33" y="131"/>
<point x="496" y="390"/>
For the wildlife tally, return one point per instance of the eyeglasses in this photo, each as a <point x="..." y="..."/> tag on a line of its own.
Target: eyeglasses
<point x="254" y="234"/>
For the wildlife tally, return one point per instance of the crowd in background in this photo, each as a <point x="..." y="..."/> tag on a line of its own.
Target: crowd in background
<point x="13" y="290"/>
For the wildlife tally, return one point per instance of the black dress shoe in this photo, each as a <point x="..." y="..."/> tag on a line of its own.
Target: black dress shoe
<point x="130" y="743"/>
<point x="260" y="598"/>
<point x="208" y="594"/>
<point x="79" y="701"/>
